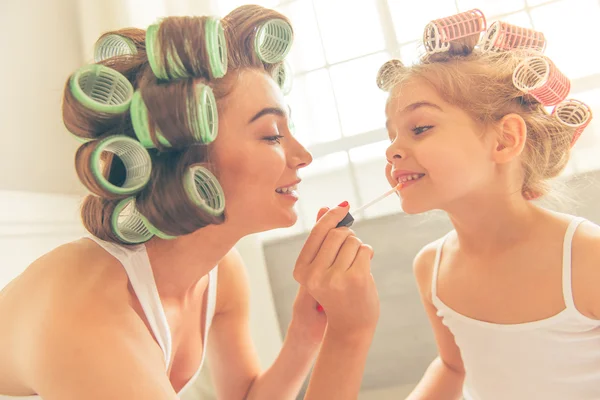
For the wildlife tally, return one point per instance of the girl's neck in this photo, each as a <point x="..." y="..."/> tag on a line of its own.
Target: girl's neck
<point x="487" y="225"/>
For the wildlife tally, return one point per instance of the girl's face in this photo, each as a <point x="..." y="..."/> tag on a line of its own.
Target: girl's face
<point x="256" y="156"/>
<point x="436" y="148"/>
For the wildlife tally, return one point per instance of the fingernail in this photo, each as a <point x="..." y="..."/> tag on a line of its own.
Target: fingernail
<point x="343" y="204"/>
<point x="320" y="308"/>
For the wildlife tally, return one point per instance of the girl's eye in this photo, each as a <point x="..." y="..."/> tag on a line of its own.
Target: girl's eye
<point x="273" y="139"/>
<point x="417" y="130"/>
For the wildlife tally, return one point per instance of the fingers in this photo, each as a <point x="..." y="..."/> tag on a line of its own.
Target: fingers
<point x="327" y="222"/>
<point x="347" y="254"/>
<point x="322" y="212"/>
<point x="362" y="261"/>
<point x="335" y="240"/>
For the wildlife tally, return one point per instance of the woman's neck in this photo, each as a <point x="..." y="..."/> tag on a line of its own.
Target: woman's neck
<point x="179" y="264"/>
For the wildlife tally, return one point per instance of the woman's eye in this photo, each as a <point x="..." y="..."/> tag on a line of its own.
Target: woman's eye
<point x="417" y="130"/>
<point x="276" y="139"/>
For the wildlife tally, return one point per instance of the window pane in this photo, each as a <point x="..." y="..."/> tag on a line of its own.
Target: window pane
<point x="226" y="6"/>
<point x="412" y="52"/>
<point x="332" y="185"/>
<point x="491" y="8"/>
<point x="410" y="20"/>
<point x="307" y="52"/>
<point x="349" y="29"/>
<point x="570" y="39"/>
<point x="519" y="19"/>
<point x="369" y="163"/>
<point x="313" y="108"/>
<point x="361" y="103"/>
<point x="325" y="164"/>
<point x="587" y="148"/>
<point x="532" y="3"/>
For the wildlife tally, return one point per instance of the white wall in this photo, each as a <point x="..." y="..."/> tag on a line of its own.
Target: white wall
<point x="32" y="224"/>
<point x="40" y="48"/>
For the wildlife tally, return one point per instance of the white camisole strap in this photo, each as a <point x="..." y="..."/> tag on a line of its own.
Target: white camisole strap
<point x="566" y="264"/>
<point x="436" y="267"/>
<point x="137" y="266"/>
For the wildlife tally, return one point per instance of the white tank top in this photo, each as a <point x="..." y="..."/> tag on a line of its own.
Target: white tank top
<point x="557" y="358"/>
<point x="137" y="266"/>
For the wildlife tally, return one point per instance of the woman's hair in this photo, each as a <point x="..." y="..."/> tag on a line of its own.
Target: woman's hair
<point x="171" y="114"/>
<point x="481" y="83"/>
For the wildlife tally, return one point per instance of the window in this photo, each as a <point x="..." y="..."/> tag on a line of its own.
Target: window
<point x="339" y="111"/>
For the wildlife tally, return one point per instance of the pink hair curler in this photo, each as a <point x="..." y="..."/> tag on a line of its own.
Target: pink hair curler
<point x="502" y="36"/>
<point x="575" y="114"/>
<point x="539" y="77"/>
<point x="440" y="32"/>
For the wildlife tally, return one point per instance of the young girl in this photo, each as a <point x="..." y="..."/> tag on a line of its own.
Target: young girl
<point x="512" y="292"/>
<point x="132" y="311"/>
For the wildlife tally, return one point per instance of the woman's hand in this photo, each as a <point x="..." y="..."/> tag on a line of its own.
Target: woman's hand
<point x="334" y="267"/>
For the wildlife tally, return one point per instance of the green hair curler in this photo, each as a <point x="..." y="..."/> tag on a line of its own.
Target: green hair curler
<point x="273" y="41"/>
<point x="101" y="89"/>
<point x="153" y="50"/>
<point x="283" y="75"/>
<point x="139" y="120"/>
<point x="128" y="224"/>
<point x="204" y="190"/>
<point x="135" y="158"/>
<point x="216" y="49"/>
<point x="113" y="45"/>
<point x="206" y="126"/>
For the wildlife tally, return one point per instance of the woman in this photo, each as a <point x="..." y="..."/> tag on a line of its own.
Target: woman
<point x="129" y="312"/>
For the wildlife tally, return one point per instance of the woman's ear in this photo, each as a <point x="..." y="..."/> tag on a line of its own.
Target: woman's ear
<point x="511" y="137"/>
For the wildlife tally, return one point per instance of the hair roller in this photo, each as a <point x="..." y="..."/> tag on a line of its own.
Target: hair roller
<point x="141" y="124"/>
<point x="441" y="32"/>
<point x="128" y="224"/>
<point x="273" y="41"/>
<point x="202" y="119"/>
<point x="388" y="74"/>
<point x="94" y="168"/>
<point x="216" y="46"/>
<point x="167" y="64"/>
<point x="574" y="114"/>
<point x="96" y="98"/>
<point x="205" y="121"/>
<point x="101" y="89"/>
<point x="539" y="77"/>
<point x="283" y="76"/>
<point x="204" y="190"/>
<point x="502" y="36"/>
<point x="113" y="45"/>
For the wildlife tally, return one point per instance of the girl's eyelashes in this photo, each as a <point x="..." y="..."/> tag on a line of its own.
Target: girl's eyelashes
<point x="417" y="130"/>
<point x="275" y="139"/>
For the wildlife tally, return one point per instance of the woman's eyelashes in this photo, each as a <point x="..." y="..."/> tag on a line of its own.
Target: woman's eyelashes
<point x="275" y="139"/>
<point x="417" y="130"/>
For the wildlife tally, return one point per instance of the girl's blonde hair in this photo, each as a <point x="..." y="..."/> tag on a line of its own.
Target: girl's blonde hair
<point x="481" y="84"/>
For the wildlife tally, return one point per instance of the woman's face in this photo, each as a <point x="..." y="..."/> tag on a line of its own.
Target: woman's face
<point x="256" y="156"/>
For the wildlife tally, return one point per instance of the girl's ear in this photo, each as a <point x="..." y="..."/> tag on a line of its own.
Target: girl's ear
<point x="511" y="137"/>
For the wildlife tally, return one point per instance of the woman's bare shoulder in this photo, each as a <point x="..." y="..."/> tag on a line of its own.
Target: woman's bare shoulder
<point x="73" y="299"/>
<point x="76" y="269"/>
